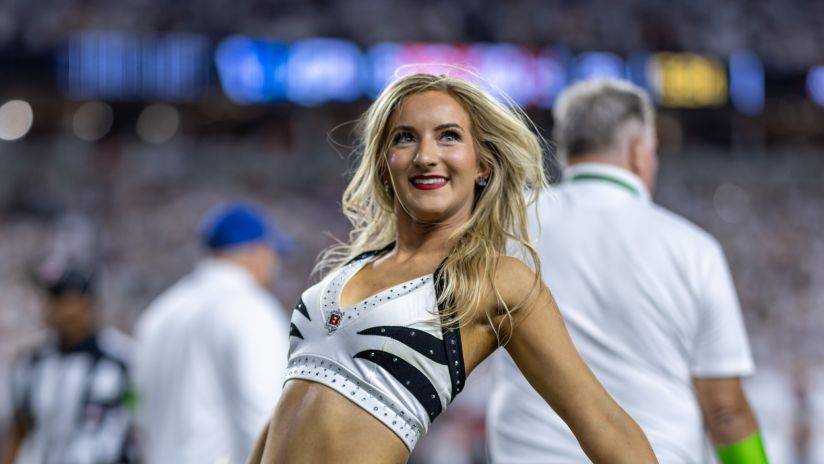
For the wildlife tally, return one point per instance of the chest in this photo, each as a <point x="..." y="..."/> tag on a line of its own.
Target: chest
<point x="322" y="312"/>
<point x="75" y="388"/>
<point x="360" y="283"/>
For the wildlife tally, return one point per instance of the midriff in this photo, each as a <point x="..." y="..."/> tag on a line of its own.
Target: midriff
<point x="315" y="424"/>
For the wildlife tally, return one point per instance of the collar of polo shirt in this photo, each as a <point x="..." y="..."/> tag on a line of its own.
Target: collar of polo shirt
<point x="608" y="175"/>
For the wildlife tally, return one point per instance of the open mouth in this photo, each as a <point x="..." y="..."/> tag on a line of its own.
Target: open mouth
<point x="428" y="182"/>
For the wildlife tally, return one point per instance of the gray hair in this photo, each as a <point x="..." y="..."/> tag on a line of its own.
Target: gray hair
<point x="589" y="114"/>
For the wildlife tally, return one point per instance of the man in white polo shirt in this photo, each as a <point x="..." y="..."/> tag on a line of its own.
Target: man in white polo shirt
<point x="646" y="296"/>
<point x="211" y="351"/>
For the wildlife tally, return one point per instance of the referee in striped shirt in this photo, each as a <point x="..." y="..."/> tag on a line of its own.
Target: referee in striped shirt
<point x="70" y="395"/>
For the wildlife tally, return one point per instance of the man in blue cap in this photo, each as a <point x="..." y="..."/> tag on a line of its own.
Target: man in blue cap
<point x="212" y="349"/>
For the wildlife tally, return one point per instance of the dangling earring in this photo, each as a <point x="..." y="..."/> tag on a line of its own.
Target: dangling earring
<point x="386" y="186"/>
<point x="482" y="181"/>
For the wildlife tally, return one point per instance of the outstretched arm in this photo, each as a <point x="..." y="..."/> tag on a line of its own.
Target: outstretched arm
<point x="543" y="351"/>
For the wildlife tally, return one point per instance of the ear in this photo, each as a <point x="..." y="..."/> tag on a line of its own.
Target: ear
<point x="636" y="152"/>
<point x="484" y="169"/>
<point x="643" y="159"/>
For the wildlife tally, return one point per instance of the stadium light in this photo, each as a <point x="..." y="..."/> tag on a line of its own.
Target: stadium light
<point x="815" y="84"/>
<point x="551" y="75"/>
<point x="688" y="80"/>
<point x="252" y="71"/>
<point x="120" y="66"/>
<point x="599" y="64"/>
<point x="747" y="82"/>
<point x="321" y="70"/>
<point x="16" y="119"/>
<point x="158" y="123"/>
<point x="92" y="121"/>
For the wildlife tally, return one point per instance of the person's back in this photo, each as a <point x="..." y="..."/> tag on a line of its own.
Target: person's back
<point x="209" y="364"/>
<point x="629" y="278"/>
<point x="646" y="296"/>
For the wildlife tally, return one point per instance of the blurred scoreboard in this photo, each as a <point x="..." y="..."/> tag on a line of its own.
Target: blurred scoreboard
<point x="183" y="67"/>
<point x="688" y="80"/>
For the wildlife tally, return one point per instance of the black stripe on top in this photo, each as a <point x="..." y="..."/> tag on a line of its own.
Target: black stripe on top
<point x="451" y="340"/>
<point x="410" y="377"/>
<point x="370" y="253"/>
<point x="424" y="343"/>
<point x="294" y="331"/>
<point x="301" y="307"/>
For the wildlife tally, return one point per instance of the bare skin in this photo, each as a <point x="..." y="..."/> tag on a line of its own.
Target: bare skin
<point x="726" y="410"/>
<point x="16" y="434"/>
<point x="314" y="424"/>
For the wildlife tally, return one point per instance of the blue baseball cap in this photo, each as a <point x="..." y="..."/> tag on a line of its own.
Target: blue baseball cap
<point x="236" y="224"/>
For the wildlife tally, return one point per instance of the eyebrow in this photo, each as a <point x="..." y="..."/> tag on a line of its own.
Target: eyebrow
<point x="449" y="125"/>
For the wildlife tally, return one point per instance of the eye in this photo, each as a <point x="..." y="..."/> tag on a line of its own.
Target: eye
<point x="450" y="136"/>
<point x="403" y="137"/>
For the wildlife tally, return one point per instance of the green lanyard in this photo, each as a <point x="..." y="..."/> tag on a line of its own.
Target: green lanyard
<point x="604" y="178"/>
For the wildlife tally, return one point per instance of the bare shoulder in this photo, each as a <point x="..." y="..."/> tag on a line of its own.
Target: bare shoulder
<point x="510" y="264"/>
<point x="515" y="282"/>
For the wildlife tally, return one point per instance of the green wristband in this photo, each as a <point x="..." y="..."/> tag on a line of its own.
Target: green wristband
<point x="750" y="450"/>
<point x="131" y="400"/>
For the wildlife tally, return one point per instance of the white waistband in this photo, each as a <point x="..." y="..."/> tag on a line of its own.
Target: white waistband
<point x="325" y="371"/>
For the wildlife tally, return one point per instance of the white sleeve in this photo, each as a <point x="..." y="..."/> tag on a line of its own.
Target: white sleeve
<point x="721" y="347"/>
<point x="256" y="347"/>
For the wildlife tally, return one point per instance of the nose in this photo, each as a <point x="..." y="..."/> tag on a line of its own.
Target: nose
<point x="427" y="154"/>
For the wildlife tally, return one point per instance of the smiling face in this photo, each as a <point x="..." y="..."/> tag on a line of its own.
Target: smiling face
<point x="432" y="160"/>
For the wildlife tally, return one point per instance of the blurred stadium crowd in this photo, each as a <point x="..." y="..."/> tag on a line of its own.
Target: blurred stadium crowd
<point x="784" y="33"/>
<point x="130" y="205"/>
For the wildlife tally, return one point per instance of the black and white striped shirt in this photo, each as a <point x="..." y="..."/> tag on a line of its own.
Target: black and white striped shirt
<point x="73" y="402"/>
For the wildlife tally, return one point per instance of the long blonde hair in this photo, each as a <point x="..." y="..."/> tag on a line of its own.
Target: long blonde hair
<point x="504" y="142"/>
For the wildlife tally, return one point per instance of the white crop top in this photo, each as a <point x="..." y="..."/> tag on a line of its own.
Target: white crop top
<point x="388" y="353"/>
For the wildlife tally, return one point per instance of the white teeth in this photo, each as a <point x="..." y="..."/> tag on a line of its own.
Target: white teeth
<point x="429" y="181"/>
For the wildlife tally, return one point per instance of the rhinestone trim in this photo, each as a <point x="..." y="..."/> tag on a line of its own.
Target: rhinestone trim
<point x="331" y="295"/>
<point x="327" y="372"/>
